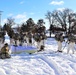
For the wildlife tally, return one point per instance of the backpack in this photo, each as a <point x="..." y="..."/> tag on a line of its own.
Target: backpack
<point x="57" y="37"/>
<point x="72" y="38"/>
<point x="37" y="37"/>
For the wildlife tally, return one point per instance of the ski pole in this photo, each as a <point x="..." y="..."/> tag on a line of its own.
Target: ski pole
<point x="65" y="45"/>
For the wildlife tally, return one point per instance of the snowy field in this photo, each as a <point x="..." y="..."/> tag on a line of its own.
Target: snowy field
<point x="43" y="63"/>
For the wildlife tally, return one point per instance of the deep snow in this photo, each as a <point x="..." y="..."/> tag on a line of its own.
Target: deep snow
<point x="42" y="63"/>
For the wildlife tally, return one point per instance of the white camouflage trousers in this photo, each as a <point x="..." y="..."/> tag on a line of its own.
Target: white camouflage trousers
<point x="59" y="45"/>
<point x="71" y="47"/>
<point x="40" y="43"/>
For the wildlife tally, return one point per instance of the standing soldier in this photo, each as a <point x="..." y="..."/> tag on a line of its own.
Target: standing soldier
<point x="59" y="38"/>
<point x="71" y="44"/>
<point x="30" y="36"/>
<point x="37" y="38"/>
<point x="16" y="39"/>
<point x="42" y="42"/>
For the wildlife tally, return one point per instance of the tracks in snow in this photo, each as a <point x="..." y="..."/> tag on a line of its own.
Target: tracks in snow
<point x="52" y="62"/>
<point x="49" y="58"/>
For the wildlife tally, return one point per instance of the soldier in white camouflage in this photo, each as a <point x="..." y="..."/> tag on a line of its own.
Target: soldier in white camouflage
<point x="59" y="38"/>
<point x="71" y="43"/>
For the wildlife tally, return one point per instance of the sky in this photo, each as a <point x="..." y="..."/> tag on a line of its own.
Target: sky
<point x="21" y="10"/>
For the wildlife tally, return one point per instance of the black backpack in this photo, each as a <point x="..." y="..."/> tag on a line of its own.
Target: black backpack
<point x="57" y="37"/>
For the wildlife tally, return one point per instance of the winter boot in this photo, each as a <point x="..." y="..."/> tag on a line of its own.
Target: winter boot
<point x="59" y="51"/>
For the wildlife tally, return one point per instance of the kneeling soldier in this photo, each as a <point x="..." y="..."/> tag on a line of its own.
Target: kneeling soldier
<point x="4" y="53"/>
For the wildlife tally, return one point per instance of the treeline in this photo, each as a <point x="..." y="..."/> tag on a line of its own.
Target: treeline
<point x="64" y="20"/>
<point x="28" y="26"/>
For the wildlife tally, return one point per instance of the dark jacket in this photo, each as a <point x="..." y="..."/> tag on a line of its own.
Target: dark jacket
<point x="71" y="38"/>
<point x="59" y="37"/>
<point x="4" y="53"/>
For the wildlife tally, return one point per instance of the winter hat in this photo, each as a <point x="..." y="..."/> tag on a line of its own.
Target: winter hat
<point x="6" y="44"/>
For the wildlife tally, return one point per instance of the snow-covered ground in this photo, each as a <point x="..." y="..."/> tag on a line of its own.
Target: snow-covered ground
<point x="43" y="63"/>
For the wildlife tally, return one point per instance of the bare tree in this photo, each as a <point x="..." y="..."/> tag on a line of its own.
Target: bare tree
<point x="10" y="21"/>
<point x="40" y="22"/>
<point x="50" y="18"/>
<point x="41" y="28"/>
<point x="61" y="20"/>
<point x="64" y="18"/>
<point x="30" y="24"/>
